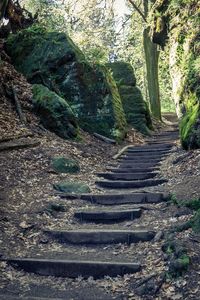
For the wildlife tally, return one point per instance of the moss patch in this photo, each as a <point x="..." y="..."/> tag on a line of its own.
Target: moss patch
<point x="55" y="114"/>
<point x="181" y="22"/>
<point x="65" y="165"/>
<point x="52" y="59"/>
<point x="135" y="108"/>
<point x="72" y="187"/>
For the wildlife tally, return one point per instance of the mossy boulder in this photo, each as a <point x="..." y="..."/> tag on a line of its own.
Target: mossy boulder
<point x="55" y="113"/>
<point x="65" y="165"/>
<point x="72" y="187"/>
<point x="182" y="21"/>
<point x="135" y="108"/>
<point x="52" y="59"/>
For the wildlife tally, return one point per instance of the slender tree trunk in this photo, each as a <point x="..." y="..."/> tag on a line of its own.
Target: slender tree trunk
<point x="3" y="6"/>
<point x="151" y="58"/>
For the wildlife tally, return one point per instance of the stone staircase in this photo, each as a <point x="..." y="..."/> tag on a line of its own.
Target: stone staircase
<point x="123" y="185"/>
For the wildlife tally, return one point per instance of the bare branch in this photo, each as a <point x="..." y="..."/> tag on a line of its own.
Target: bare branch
<point x="138" y="10"/>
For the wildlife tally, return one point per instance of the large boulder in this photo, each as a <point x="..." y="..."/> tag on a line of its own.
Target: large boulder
<point x="55" y="113"/>
<point x="52" y="59"/>
<point x="135" y="108"/>
<point x="176" y="24"/>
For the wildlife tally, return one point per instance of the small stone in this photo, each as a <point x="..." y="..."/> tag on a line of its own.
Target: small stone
<point x="72" y="187"/>
<point x="25" y="225"/>
<point x="65" y="165"/>
<point x="158" y="236"/>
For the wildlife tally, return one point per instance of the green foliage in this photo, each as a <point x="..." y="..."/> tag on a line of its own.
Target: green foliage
<point x="193" y="204"/>
<point x="179" y="260"/>
<point x="190" y="135"/>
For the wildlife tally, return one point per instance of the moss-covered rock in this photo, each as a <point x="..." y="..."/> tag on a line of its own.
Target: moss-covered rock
<point x="52" y="59"/>
<point x="55" y="113"/>
<point x="182" y="19"/>
<point x="72" y="187"/>
<point x="135" y="108"/>
<point x="65" y="165"/>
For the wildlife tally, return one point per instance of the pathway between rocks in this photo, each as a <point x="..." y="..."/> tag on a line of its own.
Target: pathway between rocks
<point x="111" y="219"/>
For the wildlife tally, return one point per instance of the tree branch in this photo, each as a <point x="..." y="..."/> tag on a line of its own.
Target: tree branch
<point x="138" y="10"/>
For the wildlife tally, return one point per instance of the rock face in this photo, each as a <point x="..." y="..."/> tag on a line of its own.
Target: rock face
<point x="181" y="18"/>
<point x="55" y="113"/>
<point x="52" y="59"/>
<point x="135" y="108"/>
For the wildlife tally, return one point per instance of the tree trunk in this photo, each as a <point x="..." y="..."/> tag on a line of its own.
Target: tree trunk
<point x="151" y="58"/>
<point x="3" y="6"/>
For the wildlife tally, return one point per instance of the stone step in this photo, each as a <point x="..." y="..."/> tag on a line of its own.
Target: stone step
<point x="149" y="155"/>
<point x="127" y="176"/>
<point x="149" y="150"/>
<point x="120" y="199"/>
<point x="100" y="236"/>
<point x="9" y="297"/>
<point x="131" y="170"/>
<point x="137" y="165"/>
<point x="167" y="133"/>
<point x="130" y="184"/>
<point x="107" y="216"/>
<point x="74" y="268"/>
<point x="156" y="147"/>
<point x="163" y="140"/>
<point x="139" y="160"/>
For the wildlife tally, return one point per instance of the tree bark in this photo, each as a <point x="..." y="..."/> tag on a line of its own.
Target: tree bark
<point x="3" y="6"/>
<point x="151" y="58"/>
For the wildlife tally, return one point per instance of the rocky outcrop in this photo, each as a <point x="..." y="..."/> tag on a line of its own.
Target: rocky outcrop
<point x="54" y="112"/>
<point x="177" y="23"/>
<point x="135" y="108"/>
<point x="53" y="60"/>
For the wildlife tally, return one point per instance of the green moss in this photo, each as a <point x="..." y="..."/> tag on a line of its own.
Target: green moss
<point x="183" y="21"/>
<point x="179" y="260"/>
<point x="55" y="114"/>
<point x="72" y="187"/>
<point x="52" y="59"/>
<point x="65" y="165"/>
<point x="195" y="222"/>
<point x="123" y="73"/>
<point x="135" y="108"/>
<point x="189" y="131"/>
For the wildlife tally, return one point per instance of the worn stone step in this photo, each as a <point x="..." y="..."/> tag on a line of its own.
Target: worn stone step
<point x="157" y="147"/>
<point x="9" y="297"/>
<point x="107" y="216"/>
<point x="100" y="236"/>
<point x="159" y="141"/>
<point x="139" y="160"/>
<point x="131" y="170"/>
<point x="127" y="176"/>
<point x="141" y="155"/>
<point x="120" y="199"/>
<point x="74" y="268"/>
<point x="167" y="133"/>
<point x="149" y="150"/>
<point x="137" y="165"/>
<point x="130" y="184"/>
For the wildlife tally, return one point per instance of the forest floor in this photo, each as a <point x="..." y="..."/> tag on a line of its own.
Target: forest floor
<point x="27" y="195"/>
